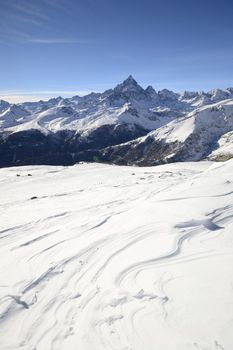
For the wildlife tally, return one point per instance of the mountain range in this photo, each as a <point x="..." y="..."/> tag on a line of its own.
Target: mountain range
<point x="124" y="125"/>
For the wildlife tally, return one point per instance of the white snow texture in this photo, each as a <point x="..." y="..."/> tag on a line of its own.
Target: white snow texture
<point x="100" y="257"/>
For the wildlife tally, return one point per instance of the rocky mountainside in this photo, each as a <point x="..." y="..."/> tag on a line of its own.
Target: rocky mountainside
<point x="204" y="133"/>
<point x="123" y="125"/>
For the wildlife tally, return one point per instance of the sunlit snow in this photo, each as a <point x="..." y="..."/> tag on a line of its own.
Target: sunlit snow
<point x="100" y="257"/>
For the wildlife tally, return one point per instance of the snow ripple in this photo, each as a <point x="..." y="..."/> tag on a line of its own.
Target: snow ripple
<point x="102" y="259"/>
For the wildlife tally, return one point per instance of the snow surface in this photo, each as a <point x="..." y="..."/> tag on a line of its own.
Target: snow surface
<point x="103" y="257"/>
<point x="225" y="146"/>
<point x="209" y="123"/>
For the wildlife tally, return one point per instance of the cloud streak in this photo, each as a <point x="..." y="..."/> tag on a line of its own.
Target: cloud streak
<point x="34" y="22"/>
<point x="58" y="41"/>
<point x="24" y="12"/>
<point x="28" y="10"/>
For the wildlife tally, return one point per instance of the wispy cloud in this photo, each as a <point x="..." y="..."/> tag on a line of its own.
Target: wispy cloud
<point x="29" y="9"/>
<point x="22" y="37"/>
<point x="20" y="19"/>
<point x="59" y="5"/>
<point x="19" y="13"/>
<point x="26" y="17"/>
<point x="58" y="41"/>
<point x="27" y="21"/>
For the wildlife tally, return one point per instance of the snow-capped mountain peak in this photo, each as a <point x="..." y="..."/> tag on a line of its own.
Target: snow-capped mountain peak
<point x="218" y="94"/>
<point x="12" y="116"/>
<point x="129" y="85"/>
<point x="167" y="94"/>
<point x="116" y="116"/>
<point x="4" y="105"/>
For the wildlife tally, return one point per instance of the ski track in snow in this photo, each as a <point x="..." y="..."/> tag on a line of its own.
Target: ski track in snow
<point x="103" y="257"/>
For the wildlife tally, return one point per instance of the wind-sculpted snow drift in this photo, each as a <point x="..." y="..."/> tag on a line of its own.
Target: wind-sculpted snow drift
<point x="98" y="257"/>
<point x="65" y="131"/>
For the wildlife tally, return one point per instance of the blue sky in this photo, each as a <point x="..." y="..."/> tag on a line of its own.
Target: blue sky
<point x="65" y="47"/>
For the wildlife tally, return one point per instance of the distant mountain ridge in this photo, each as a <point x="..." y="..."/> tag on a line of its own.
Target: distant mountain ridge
<point x="101" y="126"/>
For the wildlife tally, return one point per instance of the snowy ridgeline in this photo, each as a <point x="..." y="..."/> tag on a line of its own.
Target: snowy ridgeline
<point x="126" y="125"/>
<point x="100" y="257"/>
<point x="127" y="103"/>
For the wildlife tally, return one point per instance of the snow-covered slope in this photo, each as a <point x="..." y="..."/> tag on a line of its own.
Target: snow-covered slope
<point x="4" y="105"/>
<point x="201" y="129"/>
<point x="12" y="116"/>
<point x="100" y="257"/>
<point x="224" y="149"/>
<point x="192" y="137"/>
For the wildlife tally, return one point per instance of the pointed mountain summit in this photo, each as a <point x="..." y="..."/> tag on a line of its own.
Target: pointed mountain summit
<point x="129" y="85"/>
<point x="4" y="105"/>
<point x="166" y="94"/>
<point x="130" y="80"/>
<point x="151" y="91"/>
